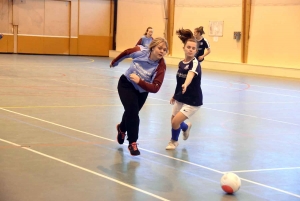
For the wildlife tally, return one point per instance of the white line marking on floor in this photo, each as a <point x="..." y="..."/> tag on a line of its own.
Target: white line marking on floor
<point x="86" y="170"/>
<point x="245" y="115"/>
<point x="204" y="167"/>
<point x="24" y="115"/>
<point x="269" y="169"/>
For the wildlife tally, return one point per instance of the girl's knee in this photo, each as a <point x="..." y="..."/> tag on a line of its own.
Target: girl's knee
<point x="175" y="125"/>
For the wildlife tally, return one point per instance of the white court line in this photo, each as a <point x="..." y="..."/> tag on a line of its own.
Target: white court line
<point x="271" y="93"/>
<point x="275" y="88"/>
<point x="83" y="85"/>
<point x="251" y="85"/>
<point x="246" y="115"/>
<point x="97" y="136"/>
<point x="201" y="106"/>
<point x="270" y="187"/>
<point x="228" y="87"/>
<point x="270" y="169"/>
<point x="86" y="170"/>
<point x="246" y="103"/>
<point x="166" y="156"/>
<point x="262" y="92"/>
<point x="42" y="63"/>
<point x="31" y="117"/>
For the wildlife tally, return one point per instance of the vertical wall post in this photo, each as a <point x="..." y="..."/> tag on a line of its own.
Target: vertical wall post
<point x="170" y="23"/>
<point x="246" y="17"/>
<point x="115" y="20"/>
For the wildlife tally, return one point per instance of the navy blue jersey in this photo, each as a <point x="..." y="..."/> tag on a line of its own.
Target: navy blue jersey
<point x="201" y="46"/>
<point x="193" y="95"/>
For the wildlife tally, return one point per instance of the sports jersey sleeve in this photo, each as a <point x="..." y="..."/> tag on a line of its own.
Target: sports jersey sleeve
<point x="195" y="66"/>
<point x="207" y="45"/>
<point x="139" y="42"/>
<point x="158" y="79"/>
<point x="129" y="53"/>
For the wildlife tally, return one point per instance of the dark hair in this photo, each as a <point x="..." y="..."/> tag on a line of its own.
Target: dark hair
<point x="200" y="30"/>
<point x="185" y="35"/>
<point x="147" y="30"/>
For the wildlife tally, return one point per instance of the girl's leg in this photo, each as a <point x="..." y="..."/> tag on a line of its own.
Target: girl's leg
<point x="176" y="121"/>
<point x="134" y="119"/>
<point x="141" y="101"/>
<point x="181" y="112"/>
<point x="129" y="98"/>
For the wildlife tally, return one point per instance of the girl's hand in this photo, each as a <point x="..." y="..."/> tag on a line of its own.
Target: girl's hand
<point x="135" y="78"/>
<point x="184" y="88"/>
<point x="172" y="101"/>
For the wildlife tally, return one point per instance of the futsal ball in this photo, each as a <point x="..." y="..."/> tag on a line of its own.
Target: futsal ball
<point x="230" y="182"/>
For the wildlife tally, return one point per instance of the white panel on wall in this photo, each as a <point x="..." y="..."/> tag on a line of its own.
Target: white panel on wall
<point x="224" y="48"/>
<point x="31" y="17"/>
<point x="74" y="18"/>
<point x="57" y="18"/>
<point x="274" y="35"/>
<point x="4" y="17"/>
<point x="208" y="3"/>
<point x="134" y="17"/>
<point x="94" y="18"/>
<point x="275" y="2"/>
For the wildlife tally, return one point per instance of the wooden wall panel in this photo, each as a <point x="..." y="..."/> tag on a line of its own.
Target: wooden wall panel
<point x="73" y="46"/>
<point x="30" y="44"/>
<point x="94" y="45"/>
<point x="55" y="45"/>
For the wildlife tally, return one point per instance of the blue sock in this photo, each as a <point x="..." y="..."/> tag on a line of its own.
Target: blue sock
<point x="175" y="134"/>
<point x="184" y="126"/>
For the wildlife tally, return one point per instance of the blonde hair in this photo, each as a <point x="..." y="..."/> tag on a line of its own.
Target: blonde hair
<point x="157" y="41"/>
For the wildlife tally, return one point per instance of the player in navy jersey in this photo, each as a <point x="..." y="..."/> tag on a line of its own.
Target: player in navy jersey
<point x="202" y="44"/>
<point x="145" y="74"/>
<point x="146" y="39"/>
<point x="1" y="36"/>
<point x="187" y="98"/>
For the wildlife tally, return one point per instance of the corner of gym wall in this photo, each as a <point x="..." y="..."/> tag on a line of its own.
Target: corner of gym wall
<point x="94" y="27"/>
<point x="6" y="28"/>
<point x="274" y="33"/>
<point x="74" y="27"/>
<point x="133" y="19"/>
<point x="191" y="14"/>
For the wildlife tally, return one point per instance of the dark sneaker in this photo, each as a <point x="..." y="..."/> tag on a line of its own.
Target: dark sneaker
<point x="134" y="151"/>
<point x="121" y="135"/>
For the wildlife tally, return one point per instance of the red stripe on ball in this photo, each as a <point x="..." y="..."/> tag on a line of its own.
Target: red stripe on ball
<point x="227" y="189"/>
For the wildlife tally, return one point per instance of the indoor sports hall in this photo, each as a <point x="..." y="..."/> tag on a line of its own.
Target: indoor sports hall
<point x="59" y="101"/>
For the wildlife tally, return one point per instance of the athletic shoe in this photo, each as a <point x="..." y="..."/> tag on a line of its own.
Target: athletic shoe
<point x="134" y="151"/>
<point x="121" y="135"/>
<point x="172" y="145"/>
<point x="187" y="132"/>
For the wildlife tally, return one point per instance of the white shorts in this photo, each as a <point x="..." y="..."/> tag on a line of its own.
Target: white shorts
<point x="185" y="109"/>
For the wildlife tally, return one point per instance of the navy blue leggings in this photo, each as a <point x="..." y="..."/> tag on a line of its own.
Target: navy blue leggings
<point x="132" y="101"/>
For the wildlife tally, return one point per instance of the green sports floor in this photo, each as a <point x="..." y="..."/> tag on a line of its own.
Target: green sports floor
<point x="58" y="137"/>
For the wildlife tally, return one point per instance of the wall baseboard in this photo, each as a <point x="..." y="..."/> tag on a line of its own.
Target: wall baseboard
<point x="234" y="67"/>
